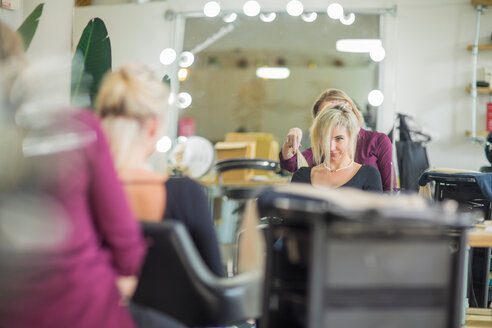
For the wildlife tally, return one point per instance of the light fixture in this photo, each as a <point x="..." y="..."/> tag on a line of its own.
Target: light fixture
<point x="375" y="98"/>
<point x="186" y="59"/>
<point x="273" y="72"/>
<point x="377" y="54"/>
<point x="163" y="144"/>
<point x="211" y="9"/>
<point x="268" y="17"/>
<point x="335" y="11"/>
<point x="251" y="8"/>
<point x="309" y="17"/>
<point x="348" y="19"/>
<point x="294" y="8"/>
<point x="184" y="100"/>
<point x="168" y="56"/>
<point x="357" y="45"/>
<point x="182" y="74"/>
<point x="229" y="18"/>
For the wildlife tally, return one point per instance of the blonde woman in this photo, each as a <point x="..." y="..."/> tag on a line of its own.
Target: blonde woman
<point x="133" y="104"/>
<point x="333" y="139"/>
<point x="373" y="148"/>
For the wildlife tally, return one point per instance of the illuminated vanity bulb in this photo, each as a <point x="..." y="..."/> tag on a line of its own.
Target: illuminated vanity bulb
<point x="294" y="8"/>
<point x="335" y="11"/>
<point x="375" y="98"/>
<point x="211" y="9"/>
<point x="186" y="59"/>
<point x="182" y="74"/>
<point x="230" y="17"/>
<point x="163" y="145"/>
<point x="377" y="54"/>
<point x="168" y="56"/>
<point x="268" y="17"/>
<point x="276" y="73"/>
<point x="348" y="19"/>
<point x="251" y="8"/>
<point x="309" y="17"/>
<point x="184" y="100"/>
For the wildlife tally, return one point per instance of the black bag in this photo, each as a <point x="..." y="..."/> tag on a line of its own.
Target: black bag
<point x="412" y="157"/>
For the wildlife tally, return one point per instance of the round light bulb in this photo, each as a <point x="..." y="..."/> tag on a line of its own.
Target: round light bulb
<point x="251" y="8"/>
<point x="182" y="74"/>
<point x="230" y="17"/>
<point x="335" y="11"/>
<point x="168" y="56"/>
<point x="377" y="54"/>
<point x="211" y="9"/>
<point x="268" y="17"/>
<point x="348" y="19"/>
<point x="375" y="98"/>
<point x="184" y="100"/>
<point x="186" y="59"/>
<point x="309" y="17"/>
<point x="163" y="144"/>
<point x="294" y="8"/>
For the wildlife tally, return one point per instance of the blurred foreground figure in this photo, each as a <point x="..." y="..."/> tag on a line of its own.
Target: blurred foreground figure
<point x="66" y="230"/>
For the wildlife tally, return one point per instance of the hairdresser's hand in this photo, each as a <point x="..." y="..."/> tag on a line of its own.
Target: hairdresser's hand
<point x="292" y="143"/>
<point x="126" y="286"/>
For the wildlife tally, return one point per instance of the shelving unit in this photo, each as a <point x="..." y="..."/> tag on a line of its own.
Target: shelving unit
<point x="480" y="6"/>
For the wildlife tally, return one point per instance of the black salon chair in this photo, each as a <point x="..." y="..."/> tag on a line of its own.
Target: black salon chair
<point x="244" y="192"/>
<point x="176" y="281"/>
<point x="332" y="264"/>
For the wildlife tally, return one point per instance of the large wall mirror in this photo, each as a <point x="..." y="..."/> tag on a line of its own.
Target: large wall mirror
<point x="229" y="95"/>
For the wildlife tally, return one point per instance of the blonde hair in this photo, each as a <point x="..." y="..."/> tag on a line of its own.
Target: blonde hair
<point x="337" y="96"/>
<point x="126" y="100"/>
<point x="330" y="116"/>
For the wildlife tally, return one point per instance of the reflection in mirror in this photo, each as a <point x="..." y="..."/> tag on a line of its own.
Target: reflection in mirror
<point x="191" y="156"/>
<point x="227" y="93"/>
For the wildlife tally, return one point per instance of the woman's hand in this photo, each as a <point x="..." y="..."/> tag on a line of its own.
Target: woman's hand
<point x="292" y="143"/>
<point x="126" y="286"/>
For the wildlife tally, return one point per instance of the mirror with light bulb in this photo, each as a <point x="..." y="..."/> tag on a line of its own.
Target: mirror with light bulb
<point x="263" y="73"/>
<point x="222" y="72"/>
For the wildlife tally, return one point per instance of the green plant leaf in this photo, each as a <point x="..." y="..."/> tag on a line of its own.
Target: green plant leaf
<point x="166" y="79"/>
<point x="30" y="25"/>
<point x="91" y="61"/>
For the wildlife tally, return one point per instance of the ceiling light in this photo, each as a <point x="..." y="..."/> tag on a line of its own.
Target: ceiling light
<point x="168" y="56"/>
<point x="268" y="17"/>
<point x="273" y="72"/>
<point x="163" y="145"/>
<point x="358" y="45"/>
<point x="251" y="8"/>
<point x="294" y="8"/>
<point x="348" y="19"/>
<point x="309" y="17"/>
<point x="375" y="98"/>
<point x="335" y="11"/>
<point x="211" y="9"/>
<point x="184" y="100"/>
<point x="230" y="17"/>
<point x="186" y="59"/>
<point x="377" y="54"/>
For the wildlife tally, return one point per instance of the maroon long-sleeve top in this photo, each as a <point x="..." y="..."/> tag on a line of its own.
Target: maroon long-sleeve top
<point x="72" y="283"/>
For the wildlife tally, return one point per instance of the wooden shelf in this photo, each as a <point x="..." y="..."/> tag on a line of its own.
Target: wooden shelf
<point x="483" y="134"/>
<point x="482" y="90"/>
<point x="481" y="2"/>
<point x="481" y="47"/>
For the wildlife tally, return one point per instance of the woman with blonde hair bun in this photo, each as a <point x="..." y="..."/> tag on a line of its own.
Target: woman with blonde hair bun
<point x="133" y="106"/>
<point x="373" y="148"/>
<point x="333" y="139"/>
